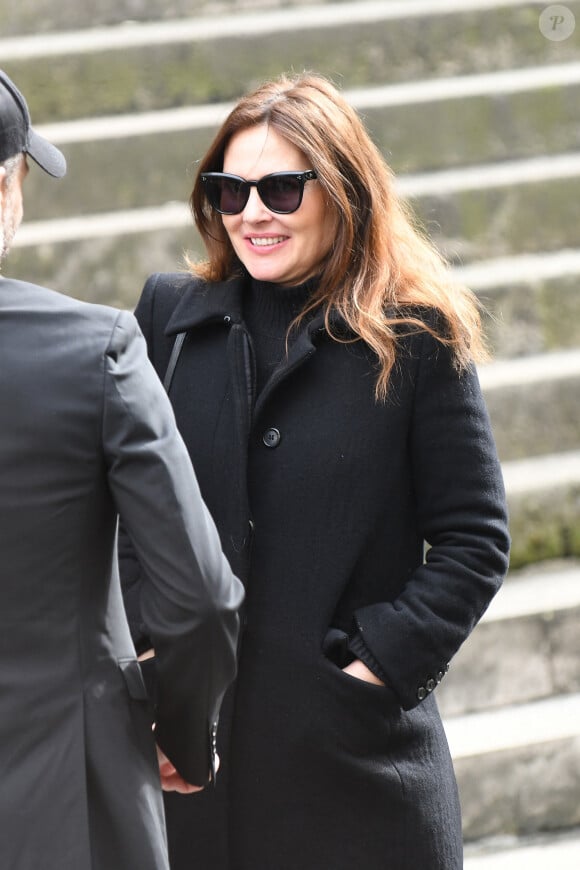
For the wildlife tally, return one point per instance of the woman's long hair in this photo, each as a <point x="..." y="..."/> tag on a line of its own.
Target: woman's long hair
<point x="381" y="271"/>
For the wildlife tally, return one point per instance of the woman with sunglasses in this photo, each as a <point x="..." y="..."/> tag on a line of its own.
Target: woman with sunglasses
<point x="320" y="363"/>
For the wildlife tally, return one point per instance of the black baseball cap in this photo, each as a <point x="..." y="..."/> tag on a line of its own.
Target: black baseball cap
<point x="18" y="137"/>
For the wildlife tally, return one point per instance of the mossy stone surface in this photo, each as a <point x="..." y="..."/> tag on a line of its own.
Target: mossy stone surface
<point x="532" y="317"/>
<point x="108" y="270"/>
<point x="477" y="224"/>
<point x="354" y="54"/>
<point x="44" y="16"/>
<point x="544" y="525"/>
<point x="535" y="419"/>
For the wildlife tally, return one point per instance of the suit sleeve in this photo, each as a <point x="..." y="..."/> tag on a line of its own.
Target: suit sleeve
<point x="130" y="570"/>
<point x="462" y="516"/>
<point x="189" y="596"/>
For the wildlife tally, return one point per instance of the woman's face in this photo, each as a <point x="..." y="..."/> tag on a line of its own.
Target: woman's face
<point x="282" y="248"/>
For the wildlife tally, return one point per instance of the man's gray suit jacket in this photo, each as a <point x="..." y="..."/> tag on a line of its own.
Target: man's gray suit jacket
<point x="86" y="433"/>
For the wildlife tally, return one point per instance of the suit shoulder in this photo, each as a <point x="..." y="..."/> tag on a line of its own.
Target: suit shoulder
<point x="35" y="294"/>
<point x="46" y="302"/>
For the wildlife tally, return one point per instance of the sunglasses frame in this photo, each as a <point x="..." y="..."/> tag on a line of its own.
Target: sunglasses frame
<point x="301" y="177"/>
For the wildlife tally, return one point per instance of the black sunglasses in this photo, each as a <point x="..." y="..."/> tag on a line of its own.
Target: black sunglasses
<point x="280" y="191"/>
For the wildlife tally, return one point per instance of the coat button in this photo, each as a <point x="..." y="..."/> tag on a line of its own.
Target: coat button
<point x="271" y="437"/>
<point x="421" y="693"/>
<point x="430" y="684"/>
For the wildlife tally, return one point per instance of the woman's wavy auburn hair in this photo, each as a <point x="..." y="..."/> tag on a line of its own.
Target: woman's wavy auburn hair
<point x="381" y="271"/>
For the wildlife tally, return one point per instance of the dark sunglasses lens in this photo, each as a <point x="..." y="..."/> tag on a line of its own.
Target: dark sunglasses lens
<point x="227" y="195"/>
<point x="281" y="193"/>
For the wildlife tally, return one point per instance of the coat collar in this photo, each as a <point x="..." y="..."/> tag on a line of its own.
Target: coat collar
<point x="207" y="303"/>
<point x="222" y="301"/>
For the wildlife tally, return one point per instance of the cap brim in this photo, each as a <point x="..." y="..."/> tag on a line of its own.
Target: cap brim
<point x="46" y="155"/>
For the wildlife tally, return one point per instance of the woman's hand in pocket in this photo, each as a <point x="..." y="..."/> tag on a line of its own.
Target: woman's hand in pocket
<point x="359" y="670"/>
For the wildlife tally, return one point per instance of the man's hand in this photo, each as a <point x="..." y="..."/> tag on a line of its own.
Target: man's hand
<point x="171" y="779"/>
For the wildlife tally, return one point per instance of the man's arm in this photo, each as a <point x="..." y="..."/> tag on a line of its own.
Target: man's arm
<point x="189" y="598"/>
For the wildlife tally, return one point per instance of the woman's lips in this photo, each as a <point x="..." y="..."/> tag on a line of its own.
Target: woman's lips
<point x="265" y="241"/>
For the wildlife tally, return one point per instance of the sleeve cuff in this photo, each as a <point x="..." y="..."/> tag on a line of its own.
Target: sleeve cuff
<point x="360" y="650"/>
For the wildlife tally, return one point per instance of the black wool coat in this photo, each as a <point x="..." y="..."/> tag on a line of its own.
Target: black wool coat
<point x="324" y="500"/>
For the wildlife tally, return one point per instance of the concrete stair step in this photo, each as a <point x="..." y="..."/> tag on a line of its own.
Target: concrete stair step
<point x="560" y="851"/>
<point x="518" y="768"/>
<point x="532" y="301"/>
<point x="474" y="119"/>
<point x="526" y="647"/>
<point x="533" y="402"/>
<point x="494" y="210"/>
<point x="162" y="64"/>
<point x="471" y="119"/>
<point x="45" y="16"/>
<point x="103" y="258"/>
<point x="544" y="498"/>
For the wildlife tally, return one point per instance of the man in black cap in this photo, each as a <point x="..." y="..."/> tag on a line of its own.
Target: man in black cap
<point x="88" y="433"/>
<point x="16" y="139"/>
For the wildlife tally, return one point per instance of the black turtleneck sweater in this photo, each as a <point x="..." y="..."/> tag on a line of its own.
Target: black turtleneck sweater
<point x="269" y="309"/>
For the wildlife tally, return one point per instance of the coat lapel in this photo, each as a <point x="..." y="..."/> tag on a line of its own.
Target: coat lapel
<point x="222" y="302"/>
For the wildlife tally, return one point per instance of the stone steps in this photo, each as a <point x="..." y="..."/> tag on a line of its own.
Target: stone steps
<point x="526" y="647"/>
<point x="473" y="118"/>
<point x="518" y="768"/>
<point x="162" y="64"/>
<point x="42" y="16"/>
<point x="533" y="402"/>
<point x="561" y="851"/>
<point x="544" y="499"/>
<point x="532" y="301"/>
<point x="502" y="209"/>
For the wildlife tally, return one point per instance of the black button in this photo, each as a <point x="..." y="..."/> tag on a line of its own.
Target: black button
<point x="440" y="676"/>
<point x="430" y="684"/>
<point x="271" y="437"/>
<point x="421" y="693"/>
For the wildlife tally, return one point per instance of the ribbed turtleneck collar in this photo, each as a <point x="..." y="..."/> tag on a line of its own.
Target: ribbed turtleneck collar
<point x="268" y="311"/>
<point x="272" y="307"/>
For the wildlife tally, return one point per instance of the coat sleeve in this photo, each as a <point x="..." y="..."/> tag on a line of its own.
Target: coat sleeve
<point x="129" y="567"/>
<point x="462" y="516"/>
<point x="189" y="596"/>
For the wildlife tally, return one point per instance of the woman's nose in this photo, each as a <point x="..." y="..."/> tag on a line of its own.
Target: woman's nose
<point x="255" y="208"/>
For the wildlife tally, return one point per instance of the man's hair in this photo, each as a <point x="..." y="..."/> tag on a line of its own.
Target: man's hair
<point x="11" y="165"/>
